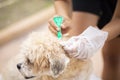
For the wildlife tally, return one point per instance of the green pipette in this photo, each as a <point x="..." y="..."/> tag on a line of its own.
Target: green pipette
<point x="58" y="21"/>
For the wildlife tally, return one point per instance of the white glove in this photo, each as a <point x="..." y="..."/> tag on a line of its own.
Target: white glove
<point x="94" y="77"/>
<point x="86" y="44"/>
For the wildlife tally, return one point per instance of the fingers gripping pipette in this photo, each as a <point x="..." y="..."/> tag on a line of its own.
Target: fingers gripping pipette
<point x="58" y="21"/>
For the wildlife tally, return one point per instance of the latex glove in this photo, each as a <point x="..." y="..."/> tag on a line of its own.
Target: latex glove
<point x="86" y="44"/>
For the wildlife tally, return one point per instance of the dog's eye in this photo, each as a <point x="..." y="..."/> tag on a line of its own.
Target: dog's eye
<point x="28" y="61"/>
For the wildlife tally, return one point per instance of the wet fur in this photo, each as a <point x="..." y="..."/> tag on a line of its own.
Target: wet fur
<point x="46" y="54"/>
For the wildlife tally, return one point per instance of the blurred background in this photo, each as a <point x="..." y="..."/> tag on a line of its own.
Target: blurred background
<point x="18" y="18"/>
<point x="12" y="11"/>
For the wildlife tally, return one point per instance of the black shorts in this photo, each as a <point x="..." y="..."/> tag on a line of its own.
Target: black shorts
<point x="103" y="8"/>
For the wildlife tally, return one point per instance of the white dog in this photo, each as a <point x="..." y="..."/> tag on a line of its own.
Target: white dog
<point x="43" y="58"/>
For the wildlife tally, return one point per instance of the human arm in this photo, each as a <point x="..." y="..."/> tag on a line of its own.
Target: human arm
<point x="113" y="27"/>
<point x="62" y="8"/>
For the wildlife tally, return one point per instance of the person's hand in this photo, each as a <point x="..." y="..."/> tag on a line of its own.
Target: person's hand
<point x="65" y="26"/>
<point x="86" y="44"/>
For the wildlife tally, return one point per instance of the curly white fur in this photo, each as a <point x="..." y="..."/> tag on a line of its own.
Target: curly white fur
<point x="44" y="58"/>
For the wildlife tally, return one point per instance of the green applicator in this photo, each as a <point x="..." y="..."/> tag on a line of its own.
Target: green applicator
<point x="58" y="21"/>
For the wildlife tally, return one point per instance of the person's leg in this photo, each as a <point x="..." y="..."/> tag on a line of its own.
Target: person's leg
<point x="81" y="20"/>
<point x="111" y="55"/>
<point x="111" y="51"/>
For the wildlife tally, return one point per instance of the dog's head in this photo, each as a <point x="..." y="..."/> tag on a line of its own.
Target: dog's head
<point x="42" y="55"/>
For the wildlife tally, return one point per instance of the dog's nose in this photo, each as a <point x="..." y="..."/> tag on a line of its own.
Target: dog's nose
<point x="19" y="66"/>
<point x="29" y="77"/>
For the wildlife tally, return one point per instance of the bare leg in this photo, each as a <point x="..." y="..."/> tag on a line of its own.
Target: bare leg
<point x="81" y="20"/>
<point x="111" y="55"/>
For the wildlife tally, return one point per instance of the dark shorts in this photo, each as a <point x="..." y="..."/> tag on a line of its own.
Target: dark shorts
<point x="103" y="8"/>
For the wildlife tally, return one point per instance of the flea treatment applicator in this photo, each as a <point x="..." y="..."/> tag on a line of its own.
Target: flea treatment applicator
<point x="58" y="21"/>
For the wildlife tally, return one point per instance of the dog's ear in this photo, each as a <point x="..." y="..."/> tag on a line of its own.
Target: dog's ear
<point x="58" y="64"/>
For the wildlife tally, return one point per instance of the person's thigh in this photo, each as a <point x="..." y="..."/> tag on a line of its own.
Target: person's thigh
<point x="81" y="20"/>
<point x="111" y="55"/>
